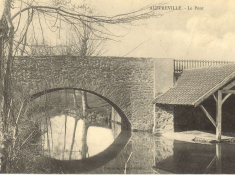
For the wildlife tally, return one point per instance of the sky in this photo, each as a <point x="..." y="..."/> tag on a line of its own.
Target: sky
<point x="207" y="34"/>
<point x="203" y="33"/>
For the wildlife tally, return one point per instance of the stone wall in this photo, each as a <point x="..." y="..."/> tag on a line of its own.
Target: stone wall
<point x="127" y="82"/>
<point x="164" y="118"/>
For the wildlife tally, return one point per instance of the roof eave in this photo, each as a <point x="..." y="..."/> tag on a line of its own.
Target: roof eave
<point x="214" y="89"/>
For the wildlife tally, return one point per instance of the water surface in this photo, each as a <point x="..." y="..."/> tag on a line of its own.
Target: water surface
<point x="100" y="145"/>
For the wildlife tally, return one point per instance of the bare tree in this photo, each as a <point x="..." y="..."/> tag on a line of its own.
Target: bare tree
<point x="85" y="42"/>
<point x="14" y="30"/>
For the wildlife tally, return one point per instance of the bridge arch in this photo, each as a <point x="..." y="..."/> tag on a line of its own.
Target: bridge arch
<point x="125" y="122"/>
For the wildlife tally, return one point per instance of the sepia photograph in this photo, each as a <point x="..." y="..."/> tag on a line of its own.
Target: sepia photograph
<point x="117" y="87"/>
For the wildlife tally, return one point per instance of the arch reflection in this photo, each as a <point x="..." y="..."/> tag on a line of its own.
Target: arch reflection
<point x="67" y="138"/>
<point x="74" y="141"/>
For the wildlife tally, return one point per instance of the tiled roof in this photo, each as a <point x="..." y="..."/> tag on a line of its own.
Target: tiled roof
<point x="197" y="84"/>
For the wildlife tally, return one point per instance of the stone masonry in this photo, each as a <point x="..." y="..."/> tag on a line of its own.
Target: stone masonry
<point x="164" y="118"/>
<point x="127" y="83"/>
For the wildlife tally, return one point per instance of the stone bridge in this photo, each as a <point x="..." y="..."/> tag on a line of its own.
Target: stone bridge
<point x="128" y="84"/>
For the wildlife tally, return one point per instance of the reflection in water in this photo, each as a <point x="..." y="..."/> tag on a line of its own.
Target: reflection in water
<point x="199" y="159"/>
<point x="72" y="144"/>
<point x="78" y="141"/>
<point x="71" y="139"/>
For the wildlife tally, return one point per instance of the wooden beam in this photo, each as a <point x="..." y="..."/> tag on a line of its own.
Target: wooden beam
<point x="228" y="91"/>
<point x="208" y="115"/>
<point x="229" y="86"/>
<point x="219" y="116"/>
<point x="225" y="98"/>
<point x="215" y="97"/>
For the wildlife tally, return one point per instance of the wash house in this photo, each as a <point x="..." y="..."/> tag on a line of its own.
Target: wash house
<point x="201" y="99"/>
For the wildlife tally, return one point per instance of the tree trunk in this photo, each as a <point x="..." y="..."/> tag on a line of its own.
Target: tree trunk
<point x="6" y="60"/>
<point x="6" y="82"/>
<point x="84" y="103"/>
<point x="2" y="32"/>
<point x="84" y="150"/>
<point x="73" y="138"/>
<point x="83" y="93"/>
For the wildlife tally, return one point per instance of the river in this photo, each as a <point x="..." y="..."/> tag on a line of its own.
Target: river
<point x="114" y="151"/>
<point x="100" y="145"/>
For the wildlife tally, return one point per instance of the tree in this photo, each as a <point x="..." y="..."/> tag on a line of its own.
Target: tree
<point x="87" y="43"/>
<point x="13" y="39"/>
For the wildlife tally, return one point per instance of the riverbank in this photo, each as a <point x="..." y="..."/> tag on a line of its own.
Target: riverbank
<point x="199" y="137"/>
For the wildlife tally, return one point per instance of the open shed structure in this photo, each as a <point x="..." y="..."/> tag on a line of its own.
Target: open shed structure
<point x="197" y="88"/>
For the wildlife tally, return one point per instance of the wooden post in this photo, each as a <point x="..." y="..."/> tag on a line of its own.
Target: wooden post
<point x="219" y="116"/>
<point x="218" y="160"/>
